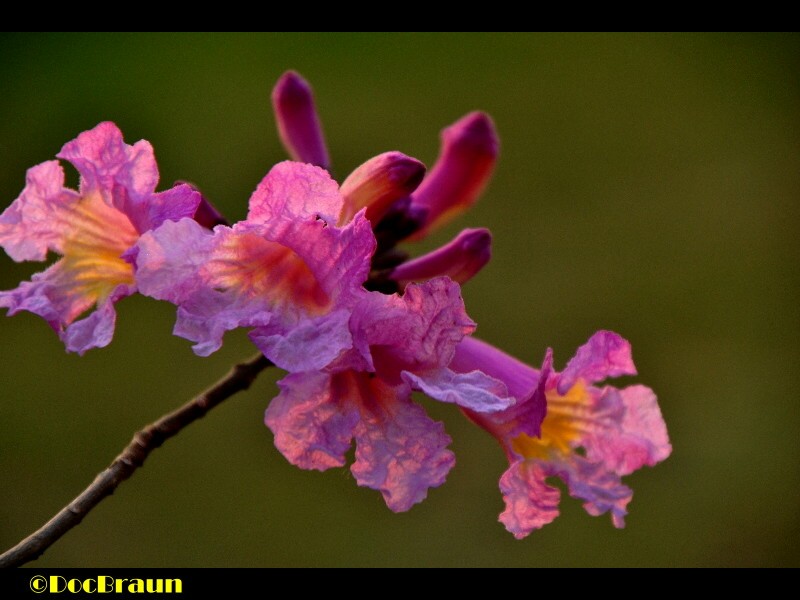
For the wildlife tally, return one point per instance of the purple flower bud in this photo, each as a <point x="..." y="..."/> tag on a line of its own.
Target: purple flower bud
<point x="460" y="260"/>
<point x="379" y="183"/>
<point x="466" y="161"/>
<point x="298" y="125"/>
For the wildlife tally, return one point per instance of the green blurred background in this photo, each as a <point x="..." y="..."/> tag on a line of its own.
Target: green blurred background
<point x="647" y="184"/>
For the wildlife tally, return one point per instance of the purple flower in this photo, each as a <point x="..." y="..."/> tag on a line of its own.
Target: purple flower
<point x="564" y="426"/>
<point x="92" y="229"/>
<point x="400" y="344"/>
<point x="287" y="270"/>
<point x="400" y="201"/>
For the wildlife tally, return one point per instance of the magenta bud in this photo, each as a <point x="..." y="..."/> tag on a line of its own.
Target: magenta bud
<point x="379" y="183"/>
<point x="460" y="260"/>
<point x="298" y="124"/>
<point x="465" y="164"/>
<point x="206" y="214"/>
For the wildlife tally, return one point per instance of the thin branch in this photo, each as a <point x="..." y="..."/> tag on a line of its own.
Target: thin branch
<point x="132" y="457"/>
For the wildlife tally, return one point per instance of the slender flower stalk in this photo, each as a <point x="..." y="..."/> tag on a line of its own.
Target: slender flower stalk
<point x="130" y="460"/>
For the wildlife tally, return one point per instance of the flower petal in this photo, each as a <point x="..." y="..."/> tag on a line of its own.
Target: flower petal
<point x="59" y="297"/>
<point x="34" y="223"/>
<point x="399" y="449"/>
<point x="601" y="490"/>
<point x="530" y="502"/>
<point x="475" y="390"/>
<point x="292" y="191"/>
<point x="417" y="331"/>
<point x="170" y="205"/>
<point x="96" y="330"/>
<point x="606" y="354"/>
<point x="206" y="318"/>
<point x="105" y="162"/>
<point x="308" y="345"/>
<point x="629" y="431"/>
<point x="313" y="420"/>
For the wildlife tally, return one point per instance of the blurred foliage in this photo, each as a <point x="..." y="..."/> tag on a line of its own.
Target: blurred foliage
<point x="648" y="184"/>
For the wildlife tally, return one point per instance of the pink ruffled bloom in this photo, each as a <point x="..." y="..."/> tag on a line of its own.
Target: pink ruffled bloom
<point x="400" y="344"/>
<point x="565" y="426"/>
<point x="92" y="229"/>
<point x="287" y="270"/>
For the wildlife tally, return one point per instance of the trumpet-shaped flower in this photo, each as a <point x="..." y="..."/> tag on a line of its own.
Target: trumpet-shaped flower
<point x="400" y="344"/>
<point x="565" y="426"/>
<point x="287" y="269"/>
<point x="92" y="229"/>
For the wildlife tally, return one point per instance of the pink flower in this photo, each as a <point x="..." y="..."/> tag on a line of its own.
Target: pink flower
<point x="354" y="356"/>
<point x="400" y="201"/>
<point x="565" y="426"/>
<point x="92" y="229"/>
<point x="400" y="344"/>
<point x="287" y="270"/>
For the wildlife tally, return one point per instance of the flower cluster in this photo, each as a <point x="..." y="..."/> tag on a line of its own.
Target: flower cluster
<point x="316" y="276"/>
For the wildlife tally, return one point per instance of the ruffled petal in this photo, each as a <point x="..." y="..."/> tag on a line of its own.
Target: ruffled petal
<point x="206" y="316"/>
<point x="399" y="449"/>
<point x="34" y="223"/>
<point x="105" y="162"/>
<point x="170" y="205"/>
<point x="168" y="260"/>
<point x="96" y="330"/>
<point x="313" y="419"/>
<point x="414" y="332"/>
<point x="606" y="354"/>
<point x="629" y="431"/>
<point x="295" y="191"/>
<point x="474" y="390"/>
<point x="95" y="231"/>
<point x="173" y="263"/>
<point x="59" y="297"/>
<point x="600" y="489"/>
<point x="49" y="294"/>
<point x="530" y="502"/>
<point x="311" y="344"/>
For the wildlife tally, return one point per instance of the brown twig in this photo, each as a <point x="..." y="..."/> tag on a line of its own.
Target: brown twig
<point x="132" y="457"/>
